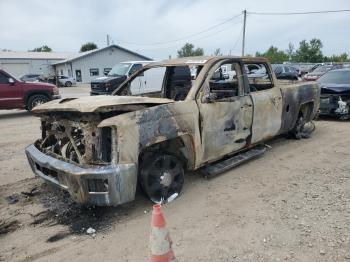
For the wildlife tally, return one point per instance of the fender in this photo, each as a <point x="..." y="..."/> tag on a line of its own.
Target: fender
<point x="142" y="129"/>
<point x="36" y="92"/>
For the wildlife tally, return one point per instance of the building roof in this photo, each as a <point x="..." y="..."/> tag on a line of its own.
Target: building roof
<point x="87" y="53"/>
<point x="36" y="55"/>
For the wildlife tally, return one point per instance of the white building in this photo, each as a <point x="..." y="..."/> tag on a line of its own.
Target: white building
<point x="21" y="63"/>
<point x="95" y="63"/>
<point x="82" y="66"/>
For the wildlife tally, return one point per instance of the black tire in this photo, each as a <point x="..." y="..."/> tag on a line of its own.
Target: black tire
<point x="298" y="130"/>
<point x="36" y="100"/>
<point x="162" y="177"/>
<point x="68" y="84"/>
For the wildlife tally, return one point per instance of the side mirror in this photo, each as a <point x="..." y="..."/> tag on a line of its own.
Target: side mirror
<point x="11" y="81"/>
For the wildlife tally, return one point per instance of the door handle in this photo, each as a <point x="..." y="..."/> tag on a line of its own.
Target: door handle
<point x="246" y="105"/>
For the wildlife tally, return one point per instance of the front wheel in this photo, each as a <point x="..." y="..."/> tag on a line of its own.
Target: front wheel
<point x="68" y="84"/>
<point x="36" y="100"/>
<point x="162" y="177"/>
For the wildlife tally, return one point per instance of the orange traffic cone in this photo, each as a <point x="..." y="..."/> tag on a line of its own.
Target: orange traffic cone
<point x="160" y="241"/>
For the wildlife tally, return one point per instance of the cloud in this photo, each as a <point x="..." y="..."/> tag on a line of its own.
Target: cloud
<point x="65" y="25"/>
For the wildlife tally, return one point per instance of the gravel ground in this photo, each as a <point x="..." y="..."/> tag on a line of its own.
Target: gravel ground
<point x="290" y="204"/>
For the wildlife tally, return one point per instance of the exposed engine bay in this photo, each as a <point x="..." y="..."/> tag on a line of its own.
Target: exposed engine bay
<point x="77" y="139"/>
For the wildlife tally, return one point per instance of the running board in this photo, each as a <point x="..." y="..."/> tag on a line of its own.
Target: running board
<point x="224" y="165"/>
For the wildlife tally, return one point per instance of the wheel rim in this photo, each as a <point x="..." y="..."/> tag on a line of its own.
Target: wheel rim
<point x="300" y="127"/>
<point x="163" y="179"/>
<point x="38" y="101"/>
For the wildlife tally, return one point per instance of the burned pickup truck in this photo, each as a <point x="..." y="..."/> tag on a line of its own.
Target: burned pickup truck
<point x="101" y="148"/>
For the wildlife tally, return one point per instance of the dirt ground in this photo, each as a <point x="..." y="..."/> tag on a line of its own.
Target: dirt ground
<point x="290" y="204"/>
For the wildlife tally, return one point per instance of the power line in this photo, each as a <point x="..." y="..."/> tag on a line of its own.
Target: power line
<point x="299" y="13"/>
<point x="184" y="37"/>
<point x="196" y="39"/>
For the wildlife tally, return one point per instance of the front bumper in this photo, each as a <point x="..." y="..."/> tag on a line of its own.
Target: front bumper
<point x="96" y="93"/>
<point x="109" y="185"/>
<point x="330" y="107"/>
<point x="56" y="97"/>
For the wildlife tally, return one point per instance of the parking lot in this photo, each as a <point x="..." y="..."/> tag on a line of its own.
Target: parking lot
<point x="291" y="204"/>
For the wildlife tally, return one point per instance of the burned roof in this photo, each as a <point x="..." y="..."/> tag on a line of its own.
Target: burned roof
<point x="201" y="60"/>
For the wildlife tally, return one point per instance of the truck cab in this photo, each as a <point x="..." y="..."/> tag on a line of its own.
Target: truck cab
<point x="119" y="73"/>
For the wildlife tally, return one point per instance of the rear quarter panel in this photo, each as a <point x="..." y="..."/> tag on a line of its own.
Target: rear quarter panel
<point x="293" y="97"/>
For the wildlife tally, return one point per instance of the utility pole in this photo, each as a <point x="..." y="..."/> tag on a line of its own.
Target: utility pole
<point x="107" y="40"/>
<point x="244" y="24"/>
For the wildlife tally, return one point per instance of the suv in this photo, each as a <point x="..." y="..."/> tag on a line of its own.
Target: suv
<point x="105" y="85"/>
<point x="17" y="94"/>
<point x="285" y="72"/>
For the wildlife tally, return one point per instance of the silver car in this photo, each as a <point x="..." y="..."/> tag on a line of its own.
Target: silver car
<point x="66" y="81"/>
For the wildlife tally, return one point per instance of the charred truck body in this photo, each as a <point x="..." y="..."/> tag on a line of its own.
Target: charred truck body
<point x="100" y="148"/>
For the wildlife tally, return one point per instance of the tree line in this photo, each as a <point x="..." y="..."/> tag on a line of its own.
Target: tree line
<point x="85" y="47"/>
<point x="307" y="51"/>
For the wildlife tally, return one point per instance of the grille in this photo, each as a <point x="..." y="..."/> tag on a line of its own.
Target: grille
<point x="96" y="86"/>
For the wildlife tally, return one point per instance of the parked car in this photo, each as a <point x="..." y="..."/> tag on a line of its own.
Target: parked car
<point x="17" y="94"/>
<point x="66" y="81"/>
<point x="320" y="71"/>
<point x="120" y="72"/>
<point x="30" y="78"/>
<point x="335" y="93"/>
<point x="100" y="148"/>
<point x="285" y="72"/>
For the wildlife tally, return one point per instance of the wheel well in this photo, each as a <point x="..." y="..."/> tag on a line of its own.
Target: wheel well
<point x="176" y="146"/>
<point x="306" y="111"/>
<point x="33" y="93"/>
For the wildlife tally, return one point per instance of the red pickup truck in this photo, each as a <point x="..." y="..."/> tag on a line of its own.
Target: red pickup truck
<point x="18" y="94"/>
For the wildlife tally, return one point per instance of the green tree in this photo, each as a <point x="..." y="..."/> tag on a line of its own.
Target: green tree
<point x="337" y="58"/>
<point x="309" y="51"/>
<point x="274" y="55"/>
<point x="217" y="52"/>
<point x="88" y="46"/>
<point x="43" y="48"/>
<point x="290" y="51"/>
<point x="188" y="50"/>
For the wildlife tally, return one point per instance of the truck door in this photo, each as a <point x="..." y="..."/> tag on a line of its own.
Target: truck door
<point x="226" y="113"/>
<point x="11" y="93"/>
<point x="267" y="102"/>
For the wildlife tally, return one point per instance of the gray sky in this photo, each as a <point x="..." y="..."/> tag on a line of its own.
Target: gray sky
<point x="65" y="25"/>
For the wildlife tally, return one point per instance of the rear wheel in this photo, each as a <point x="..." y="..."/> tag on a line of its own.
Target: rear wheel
<point x="68" y="84"/>
<point x="299" y="128"/>
<point x="36" y="100"/>
<point x="162" y="177"/>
